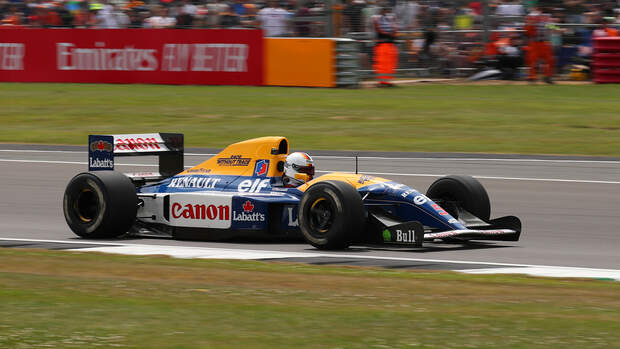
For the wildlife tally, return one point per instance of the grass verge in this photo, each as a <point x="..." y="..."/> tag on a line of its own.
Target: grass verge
<point x="83" y="300"/>
<point x="581" y="119"/>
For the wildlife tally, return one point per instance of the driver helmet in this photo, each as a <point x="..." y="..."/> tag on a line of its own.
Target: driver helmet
<point x="298" y="169"/>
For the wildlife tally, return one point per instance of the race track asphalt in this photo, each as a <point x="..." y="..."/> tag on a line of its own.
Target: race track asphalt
<point x="569" y="205"/>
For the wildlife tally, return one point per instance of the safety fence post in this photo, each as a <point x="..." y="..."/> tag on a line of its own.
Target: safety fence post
<point x="346" y="54"/>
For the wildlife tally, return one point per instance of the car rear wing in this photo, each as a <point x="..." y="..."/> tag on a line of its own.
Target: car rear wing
<point x="168" y="147"/>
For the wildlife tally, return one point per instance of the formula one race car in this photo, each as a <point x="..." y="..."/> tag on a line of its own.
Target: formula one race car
<point x="239" y="192"/>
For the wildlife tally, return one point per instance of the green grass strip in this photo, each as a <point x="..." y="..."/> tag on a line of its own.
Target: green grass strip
<point x="540" y="119"/>
<point x="85" y="300"/>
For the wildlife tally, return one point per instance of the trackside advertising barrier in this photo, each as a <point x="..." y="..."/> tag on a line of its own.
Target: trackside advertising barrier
<point x="299" y="62"/>
<point x="151" y="56"/>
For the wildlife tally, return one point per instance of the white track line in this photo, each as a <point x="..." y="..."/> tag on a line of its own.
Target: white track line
<point x="614" y="162"/>
<point x="370" y="173"/>
<point x="245" y="254"/>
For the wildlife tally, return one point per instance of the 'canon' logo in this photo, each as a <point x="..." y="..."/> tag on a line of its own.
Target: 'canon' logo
<point x="201" y="211"/>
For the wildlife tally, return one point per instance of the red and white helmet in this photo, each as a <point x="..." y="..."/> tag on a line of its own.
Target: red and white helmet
<point x="298" y="168"/>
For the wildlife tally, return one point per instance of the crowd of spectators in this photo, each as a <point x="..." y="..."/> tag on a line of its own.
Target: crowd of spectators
<point x="285" y="17"/>
<point x="276" y="18"/>
<point x="451" y="35"/>
<point x="445" y="33"/>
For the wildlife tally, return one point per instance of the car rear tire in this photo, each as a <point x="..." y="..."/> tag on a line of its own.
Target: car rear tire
<point x="464" y="191"/>
<point x="331" y="213"/>
<point x="100" y="204"/>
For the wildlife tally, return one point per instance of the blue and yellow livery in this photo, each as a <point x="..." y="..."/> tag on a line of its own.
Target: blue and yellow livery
<point x="239" y="192"/>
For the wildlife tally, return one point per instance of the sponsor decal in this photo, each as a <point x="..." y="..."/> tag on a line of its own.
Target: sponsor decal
<point x="139" y="143"/>
<point x="71" y="57"/>
<point x="452" y="220"/>
<point x="205" y="57"/>
<point x="12" y="55"/>
<point x="248" y="207"/>
<point x="100" y="153"/>
<point x="199" y="170"/>
<point x="292" y="222"/>
<point x="407" y="192"/>
<point x="387" y="237"/>
<point x="405" y="236"/>
<point x="364" y="178"/>
<point x="261" y="168"/>
<point x="253" y="185"/>
<point x="98" y="164"/>
<point x="175" y="57"/>
<point x="143" y="174"/>
<point x="101" y="146"/>
<point x="451" y="233"/>
<point x="420" y="200"/>
<point x="193" y="182"/>
<point x="200" y="211"/>
<point x="233" y="160"/>
<point x="439" y="210"/>
<point x="187" y="210"/>
<point x="248" y="214"/>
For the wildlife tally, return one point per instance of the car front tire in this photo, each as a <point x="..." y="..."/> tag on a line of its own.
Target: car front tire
<point x="331" y="214"/>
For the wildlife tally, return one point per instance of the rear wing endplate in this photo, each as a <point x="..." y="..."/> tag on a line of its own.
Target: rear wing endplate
<point x="168" y="147"/>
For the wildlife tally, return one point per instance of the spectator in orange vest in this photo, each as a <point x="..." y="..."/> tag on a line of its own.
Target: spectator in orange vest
<point x="539" y="47"/>
<point x="385" y="53"/>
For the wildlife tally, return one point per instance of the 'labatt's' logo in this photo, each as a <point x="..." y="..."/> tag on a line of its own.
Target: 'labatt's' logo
<point x="248" y="214"/>
<point x="100" y="152"/>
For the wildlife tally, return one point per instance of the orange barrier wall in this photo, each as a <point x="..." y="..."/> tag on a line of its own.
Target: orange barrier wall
<point x="299" y="62"/>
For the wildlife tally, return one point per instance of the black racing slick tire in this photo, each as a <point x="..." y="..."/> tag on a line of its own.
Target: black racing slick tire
<point x="464" y="191"/>
<point x="101" y="204"/>
<point x="331" y="213"/>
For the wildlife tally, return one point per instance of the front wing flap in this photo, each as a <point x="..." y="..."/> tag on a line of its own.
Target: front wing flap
<point x="467" y="234"/>
<point x="413" y="233"/>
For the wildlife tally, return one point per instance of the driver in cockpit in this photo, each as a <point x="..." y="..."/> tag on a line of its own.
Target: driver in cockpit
<point x="298" y="169"/>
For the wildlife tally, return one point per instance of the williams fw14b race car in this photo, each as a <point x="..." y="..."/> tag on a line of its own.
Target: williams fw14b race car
<point x="240" y="193"/>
